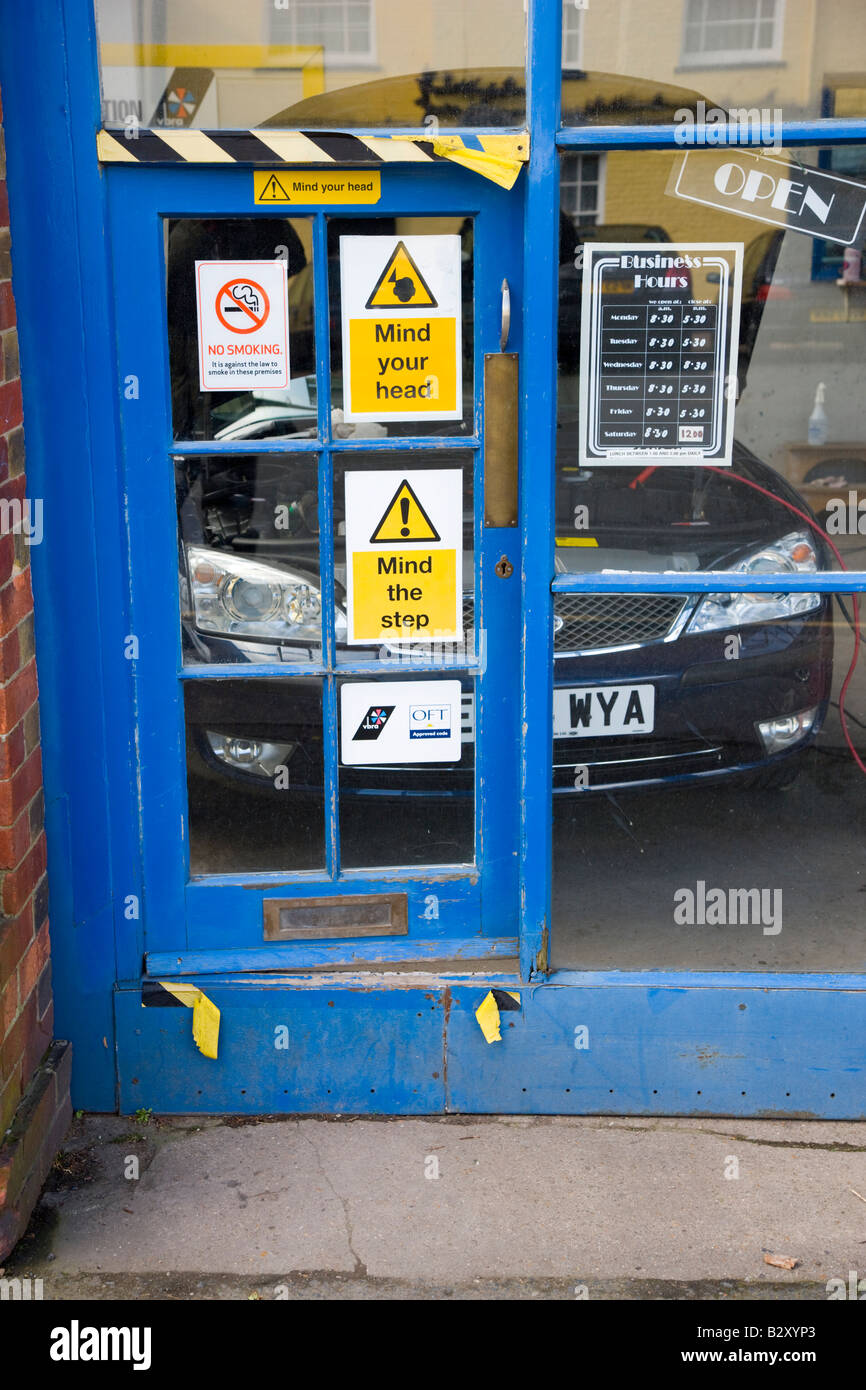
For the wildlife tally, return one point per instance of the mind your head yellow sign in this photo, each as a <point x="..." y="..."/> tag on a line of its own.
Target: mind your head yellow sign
<point x="401" y="300"/>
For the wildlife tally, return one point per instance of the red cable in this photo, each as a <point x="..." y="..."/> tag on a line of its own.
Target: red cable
<point x="855" y="599"/>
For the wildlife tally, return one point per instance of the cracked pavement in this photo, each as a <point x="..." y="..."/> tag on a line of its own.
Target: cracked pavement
<point x="523" y="1206"/>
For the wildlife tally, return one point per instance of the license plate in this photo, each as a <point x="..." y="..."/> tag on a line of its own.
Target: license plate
<point x="596" y="711"/>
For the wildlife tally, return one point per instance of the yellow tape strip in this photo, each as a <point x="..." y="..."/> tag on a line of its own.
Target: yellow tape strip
<point x="500" y="159"/>
<point x="205" y="1015"/>
<point x="487" y="1015"/>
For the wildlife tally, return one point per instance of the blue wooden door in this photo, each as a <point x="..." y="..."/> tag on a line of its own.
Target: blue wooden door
<point x="238" y="498"/>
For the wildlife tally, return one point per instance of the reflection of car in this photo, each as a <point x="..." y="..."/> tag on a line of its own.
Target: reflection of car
<point x="649" y="688"/>
<point x="264" y="414"/>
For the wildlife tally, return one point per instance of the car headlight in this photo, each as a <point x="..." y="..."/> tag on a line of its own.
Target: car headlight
<point x="236" y="597"/>
<point x="250" y="754"/>
<point x="793" y="554"/>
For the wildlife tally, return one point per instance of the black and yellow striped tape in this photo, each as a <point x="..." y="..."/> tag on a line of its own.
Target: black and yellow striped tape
<point x="163" y="994"/>
<point x="496" y="157"/>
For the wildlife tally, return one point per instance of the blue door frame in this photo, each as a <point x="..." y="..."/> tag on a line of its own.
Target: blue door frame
<point x="783" y="1044"/>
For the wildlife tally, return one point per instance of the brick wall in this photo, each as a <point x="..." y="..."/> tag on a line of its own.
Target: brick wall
<point x="34" y="1074"/>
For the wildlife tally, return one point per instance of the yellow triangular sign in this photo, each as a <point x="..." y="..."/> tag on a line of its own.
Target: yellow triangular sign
<point x="404" y="519"/>
<point x="401" y="284"/>
<point x="273" y="192"/>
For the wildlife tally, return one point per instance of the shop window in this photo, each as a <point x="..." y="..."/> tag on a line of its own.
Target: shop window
<point x="732" y="31"/>
<point x="645" y="65"/>
<point x="314" y="64"/>
<point x="343" y="29"/>
<point x="583" y="188"/>
<point x="680" y="719"/>
<point x="572" y="34"/>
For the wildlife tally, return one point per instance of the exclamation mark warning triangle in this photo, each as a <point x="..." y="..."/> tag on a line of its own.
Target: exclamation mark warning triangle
<point x="273" y="192"/>
<point x="401" y="284"/>
<point x="404" y="519"/>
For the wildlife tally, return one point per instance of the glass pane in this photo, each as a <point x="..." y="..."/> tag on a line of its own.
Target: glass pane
<point x="248" y="532"/>
<point x="789" y="499"/>
<point x="709" y="811"/>
<point x="311" y="64"/>
<point x="394" y="810"/>
<point x="232" y="413"/>
<point x="255" y="775"/>
<point x="413" y="374"/>
<point x="390" y="474"/>
<point x="728" y="55"/>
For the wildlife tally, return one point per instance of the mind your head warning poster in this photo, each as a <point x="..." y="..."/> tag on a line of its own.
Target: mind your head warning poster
<point x="402" y="325"/>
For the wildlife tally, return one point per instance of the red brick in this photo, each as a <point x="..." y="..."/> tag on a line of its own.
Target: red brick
<point x="16" y="601"/>
<point x="7" y="556"/>
<point x="17" y="696"/>
<point x="19" y="883"/>
<point x="4" y="203"/>
<point x="15" y="841"/>
<point x="13" y="1046"/>
<point x="7" y="305"/>
<point x="15" y="936"/>
<point x="14" y="487"/>
<point x="11" y="406"/>
<point x="33" y="963"/>
<point x="10" y="651"/>
<point x="13" y="749"/>
<point x="8" y="1005"/>
<point x="17" y="794"/>
<point x="10" y="1095"/>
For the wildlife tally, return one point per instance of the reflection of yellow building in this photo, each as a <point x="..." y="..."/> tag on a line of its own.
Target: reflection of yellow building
<point x="805" y="57"/>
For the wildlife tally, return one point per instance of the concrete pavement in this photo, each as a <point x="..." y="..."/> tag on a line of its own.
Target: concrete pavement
<point x="448" y="1207"/>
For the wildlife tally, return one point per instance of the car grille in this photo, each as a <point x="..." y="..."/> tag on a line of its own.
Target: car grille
<point x="586" y="622"/>
<point x="591" y="621"/>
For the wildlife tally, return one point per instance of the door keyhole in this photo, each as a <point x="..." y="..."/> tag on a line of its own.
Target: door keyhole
<point x="504" y="567"/>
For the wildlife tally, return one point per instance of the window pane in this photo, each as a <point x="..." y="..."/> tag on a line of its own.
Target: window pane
<point x="725" y="833"/>
<point x="328" y="65"/>
<point x="232" y="413"/>
<point x="460" y="401"/>
<point x="656" y="373"/>
<point x="409" y="812"/>
<point x="249" y="558"/>
<point x="440" y="650"/>
<point x="255" y="775"/>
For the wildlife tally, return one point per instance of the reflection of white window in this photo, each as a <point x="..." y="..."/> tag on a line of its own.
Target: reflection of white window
<point x="343" y="28"/>
<point x="582" y="188"/>
<point x="732" y="31"/>
<point x="572" y="34"/>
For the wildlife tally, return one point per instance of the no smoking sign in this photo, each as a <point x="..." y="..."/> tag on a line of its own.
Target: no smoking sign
<point x="243" y="325"/>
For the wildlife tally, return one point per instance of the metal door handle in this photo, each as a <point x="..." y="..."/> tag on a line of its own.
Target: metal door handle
<point x="506" y="316"/>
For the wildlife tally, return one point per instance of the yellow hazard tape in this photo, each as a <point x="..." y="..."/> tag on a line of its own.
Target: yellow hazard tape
<point x="500" y="159"/>
<point x="205" y="1015"/>
<point x="487" y="1015"/>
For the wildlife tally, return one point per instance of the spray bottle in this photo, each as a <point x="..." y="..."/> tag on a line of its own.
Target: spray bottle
<point x="818" y="418"/>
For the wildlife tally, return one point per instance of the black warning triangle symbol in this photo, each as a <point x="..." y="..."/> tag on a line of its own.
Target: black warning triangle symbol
<point x="404" y="519"/>
<point x="273" y="192"/>
<point x="401" y="284"/>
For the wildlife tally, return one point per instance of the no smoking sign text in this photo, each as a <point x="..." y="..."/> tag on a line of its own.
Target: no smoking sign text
<point x="243" y="325"/>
